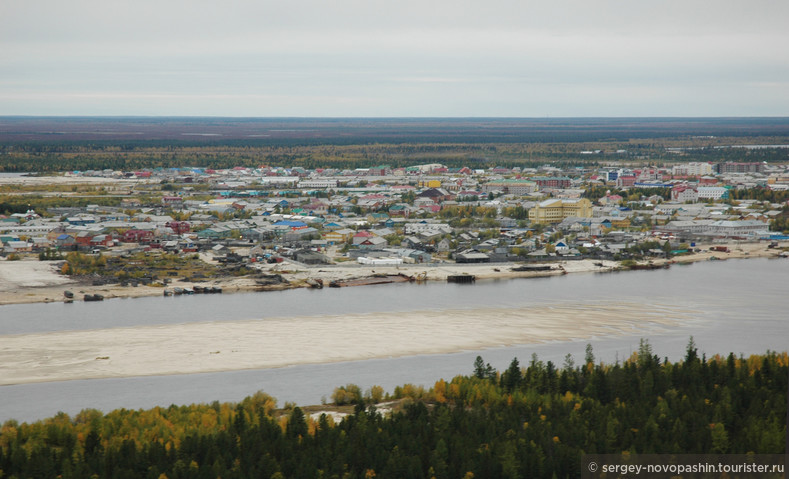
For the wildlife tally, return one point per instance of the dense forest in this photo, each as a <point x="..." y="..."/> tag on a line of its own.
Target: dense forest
<point x="137" y="155"/>
<point x="533" y="421"/>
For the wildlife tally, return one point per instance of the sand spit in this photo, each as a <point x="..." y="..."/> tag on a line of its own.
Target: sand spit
<point x="20" y="277"/>
<point x="277" y="342"/>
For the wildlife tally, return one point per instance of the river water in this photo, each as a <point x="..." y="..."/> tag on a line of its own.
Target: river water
<point x="735" y="306"/>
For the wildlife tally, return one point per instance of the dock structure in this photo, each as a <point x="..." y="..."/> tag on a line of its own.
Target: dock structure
<point x="379" y="279"/>
<point x="461" y="278"/>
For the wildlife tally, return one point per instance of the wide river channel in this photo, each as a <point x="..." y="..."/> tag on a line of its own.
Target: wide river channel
<point x="739" y="306"/>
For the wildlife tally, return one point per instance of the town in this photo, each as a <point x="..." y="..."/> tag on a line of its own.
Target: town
<point x="393" y="240"/>
<point x="241" y="221"/>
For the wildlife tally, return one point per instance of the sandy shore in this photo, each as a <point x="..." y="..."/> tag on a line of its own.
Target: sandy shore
<point x="233" y="345"/>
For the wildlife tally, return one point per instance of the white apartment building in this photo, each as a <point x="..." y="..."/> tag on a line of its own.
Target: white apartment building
<point x="318" y="183"/>
<point x="692" y="169"/>
<point x="711" y="192"/>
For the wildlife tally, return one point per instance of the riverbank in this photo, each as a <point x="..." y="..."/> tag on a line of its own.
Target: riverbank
<point x="32" y="281"/>
<point x="273" y="342"/>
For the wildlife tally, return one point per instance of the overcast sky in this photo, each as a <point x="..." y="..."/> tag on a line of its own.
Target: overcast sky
<point x="515" y="58"/>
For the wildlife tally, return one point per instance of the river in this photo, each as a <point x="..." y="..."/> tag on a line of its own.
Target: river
<point x="733" y="306"/>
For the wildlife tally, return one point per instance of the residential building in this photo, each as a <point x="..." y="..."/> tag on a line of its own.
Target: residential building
<point x="692" y="169"/>
<point x="737" y="228"/>
<point x="172" y="201"/>
<point x="624" y="181"/>
<point x="361" y="237"/>
<point x="421" y="227"/>
<point x="339" y="236"/>
<point x="684" y="194"/>
<point x="318" y="183"/>
<point x="712" y="192"/>
<point x="512" y="187"/>
<point x="552" y="181"/>
<point x="555" y="210"/>
<point x="436" y="194"/>
<point x="732" y="167"/>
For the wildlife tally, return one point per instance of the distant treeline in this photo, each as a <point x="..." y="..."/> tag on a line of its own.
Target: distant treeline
<point x="345" y="131"/>
<point x="532" y="422"/>
<point x="55" y="158"/>
<point x="333" y="153"/>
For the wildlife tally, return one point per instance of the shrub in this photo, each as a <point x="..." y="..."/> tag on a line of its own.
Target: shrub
<point x="375" y="394"/>
<point x="348" y="394"/>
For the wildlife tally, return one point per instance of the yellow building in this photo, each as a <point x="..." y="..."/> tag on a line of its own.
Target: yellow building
<point x="339" y="236"/>
<point x="429" y="183"/>
<point x="620" y="223"/>
<point x="555" y="210"/>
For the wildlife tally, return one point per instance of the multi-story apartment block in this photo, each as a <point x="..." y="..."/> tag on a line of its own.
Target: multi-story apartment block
<point x="555" y="210"/>
<point x="732" y="167"/>
<point x="692" y="169"/>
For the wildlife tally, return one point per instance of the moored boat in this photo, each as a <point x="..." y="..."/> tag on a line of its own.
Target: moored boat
<point x="532" y="267"/>
<point x="461" y="278"/>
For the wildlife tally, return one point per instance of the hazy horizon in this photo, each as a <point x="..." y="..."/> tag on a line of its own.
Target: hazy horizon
<point x="426" y="117"/>
<point x="409" y="59"/>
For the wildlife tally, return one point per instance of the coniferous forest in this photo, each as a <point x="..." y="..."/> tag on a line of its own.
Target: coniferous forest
<point x="533" y="421"/>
